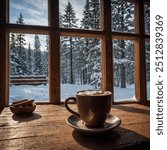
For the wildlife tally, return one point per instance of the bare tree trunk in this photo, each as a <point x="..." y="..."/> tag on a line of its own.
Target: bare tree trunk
<point x="71" y="63"/>
<point x="122" y="67"/>
<point x="123" y="78"/>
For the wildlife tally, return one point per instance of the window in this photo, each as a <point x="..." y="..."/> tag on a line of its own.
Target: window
<point x="80" y="65"/>
<point x="28" y="67"/>
<point x="81" y="14"/>
<point x="107" y="24"/>
<point x="123" y="60"/>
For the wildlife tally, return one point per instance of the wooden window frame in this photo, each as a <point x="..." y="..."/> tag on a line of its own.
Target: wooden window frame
<point x="54" y="31"/>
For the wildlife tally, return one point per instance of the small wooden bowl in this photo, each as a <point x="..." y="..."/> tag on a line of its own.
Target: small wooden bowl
<point x="23" y="110"/>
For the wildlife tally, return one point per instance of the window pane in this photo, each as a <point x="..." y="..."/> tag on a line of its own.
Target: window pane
<point x="29" y="67"/>
<point x="80" y="14"/>
<point x="147" y="46"/>
<point x="122" y="15"/>
<point x="29" y="12"/>
<point x="123" y="53"/>
<point x="147" y="18"/>
<point x="80" y="65"/>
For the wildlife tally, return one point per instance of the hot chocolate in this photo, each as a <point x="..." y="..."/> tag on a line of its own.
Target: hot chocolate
<point x="93" y="106"/>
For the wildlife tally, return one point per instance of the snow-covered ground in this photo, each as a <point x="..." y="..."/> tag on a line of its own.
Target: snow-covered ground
<point x="41" y="92"/>
<point x="38" y="92"/>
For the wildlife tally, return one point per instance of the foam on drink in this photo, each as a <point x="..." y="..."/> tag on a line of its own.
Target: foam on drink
<point x="93" y="93"/>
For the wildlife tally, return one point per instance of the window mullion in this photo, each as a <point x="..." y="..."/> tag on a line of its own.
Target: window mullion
<point x="3" y="54"/>
<point x="140" y="64"/>
<point x="107" y="58"/>
<point x="54" y="55"/>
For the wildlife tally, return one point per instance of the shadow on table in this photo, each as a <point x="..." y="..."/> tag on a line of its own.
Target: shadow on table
<point x="119" y="138"/>
<point x="26" y="117"/>
<point x="132" y="109"/>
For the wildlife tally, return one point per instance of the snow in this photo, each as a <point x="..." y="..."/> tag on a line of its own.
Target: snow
<point x="41" y="92"/>
<point x="38" y="92"/>
<point x="124" y="93"/>
<point x="68" y="90"/>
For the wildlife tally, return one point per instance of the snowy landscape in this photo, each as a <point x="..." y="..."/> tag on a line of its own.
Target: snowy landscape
<point x="40" y="93"/>
<point x="80" y="57"/>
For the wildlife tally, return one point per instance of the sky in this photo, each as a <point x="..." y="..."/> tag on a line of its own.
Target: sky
<point x="35" y="12"/>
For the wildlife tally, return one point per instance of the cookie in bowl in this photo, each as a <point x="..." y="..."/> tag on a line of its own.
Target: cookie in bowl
<point x="23" y="106"/>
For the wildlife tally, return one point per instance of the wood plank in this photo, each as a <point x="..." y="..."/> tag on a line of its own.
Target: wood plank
<point x="128" y="36"/>
<point x="46" y="129"/>
<point x="81" y="33"/>
<point x="140" y="58"/>
<point x="124" y="36"/>
<point x="28" y="29"/>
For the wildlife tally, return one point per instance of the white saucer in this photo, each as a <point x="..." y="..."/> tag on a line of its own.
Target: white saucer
<point x="110" y="123"/>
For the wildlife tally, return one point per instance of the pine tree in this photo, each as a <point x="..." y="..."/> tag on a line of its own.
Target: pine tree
<point x="29" y="59"/>
<point x="95" y="14"/>
<point x="60" y="20"/>
<point x="13" y="54"/>
<point x="84" y="42"/>
<point x="147" y="18"/>
<point x="45" y="57"/>
<point x="94" y="57"/>
<point x="122" y="20"/>
<point x="20" y="40"/>
<point x="69" y="21"/>
<point x="12" y="41"/>
<point x="91" y="15"/>
<point x="21" y="67"/>
<point x="69" y="17"/>
<point x="91" y="71"/>
<point x="94" y="62"/>
<point x="147" y="47"/>
<point x="147" y="44"/>
<point x="86" y="20"/>
<point x="37" y="56"/>
<point x="122" y="16"/>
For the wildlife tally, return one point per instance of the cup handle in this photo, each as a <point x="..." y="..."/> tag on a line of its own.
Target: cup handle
<point x="68" y="108"/>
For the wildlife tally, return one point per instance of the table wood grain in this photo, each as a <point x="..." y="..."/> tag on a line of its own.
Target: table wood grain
<point x="46" y="129"/>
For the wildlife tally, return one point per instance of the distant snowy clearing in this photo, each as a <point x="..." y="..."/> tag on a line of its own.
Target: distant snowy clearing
<point x="40" y="92"/>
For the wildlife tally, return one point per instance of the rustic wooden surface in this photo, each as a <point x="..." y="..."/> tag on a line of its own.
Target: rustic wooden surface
<point x="46" y="129"/>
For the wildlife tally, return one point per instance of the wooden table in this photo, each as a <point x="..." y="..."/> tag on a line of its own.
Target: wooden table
<point x="46" y="129"/>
